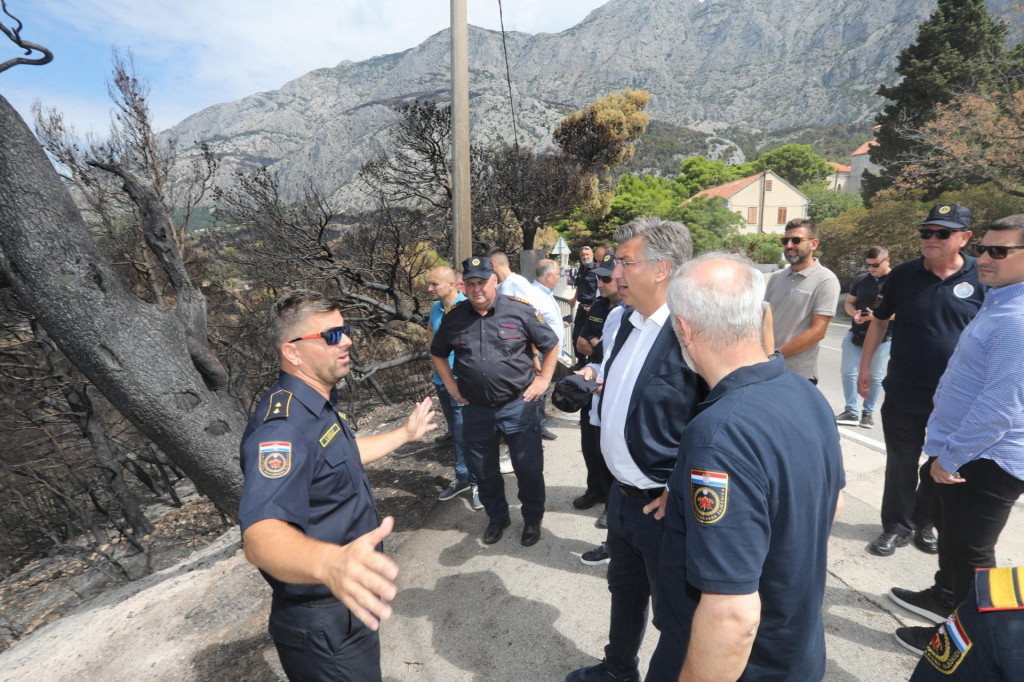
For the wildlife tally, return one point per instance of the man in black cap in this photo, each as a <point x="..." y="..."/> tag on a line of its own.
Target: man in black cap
<point x="494" y="339"/>
<point x="932" y="298"/>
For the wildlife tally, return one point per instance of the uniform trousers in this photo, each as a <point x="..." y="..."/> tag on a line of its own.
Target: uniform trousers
<point x="482" y="429"/>
<point x="599" y="479"/>
<point x="452" y="411"/>
<point x="970" y="516"/>
<point x="577" y="326"/>
<point x="634" y="547"/>
<point x="323" y="641"/>
<point x="907" y="495"/>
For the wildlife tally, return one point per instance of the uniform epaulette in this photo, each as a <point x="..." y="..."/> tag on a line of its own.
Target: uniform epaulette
<point x="521" y="300"/>
<point x="1000" y="589"/>
<point x="277" y="406"/>
<point x="456" y="305"/>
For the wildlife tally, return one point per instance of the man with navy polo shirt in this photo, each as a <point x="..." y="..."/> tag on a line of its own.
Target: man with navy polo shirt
<point x="930" y="300"/>
<point x="307" y="513"/>
<point x="751" y="500"/>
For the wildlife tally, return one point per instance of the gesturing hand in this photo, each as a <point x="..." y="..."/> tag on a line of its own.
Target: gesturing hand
<point x="362" y="578"/>
<point x="421" y="419"/>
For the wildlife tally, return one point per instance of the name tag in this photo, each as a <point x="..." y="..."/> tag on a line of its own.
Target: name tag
<point x="329" y="435"/>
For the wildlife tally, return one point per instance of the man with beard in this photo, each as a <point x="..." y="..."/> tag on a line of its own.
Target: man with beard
<point x="307" y="513"/>
<point x="803" y="298"/>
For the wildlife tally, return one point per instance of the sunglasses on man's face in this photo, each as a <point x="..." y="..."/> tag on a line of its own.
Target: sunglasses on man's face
<point x="332" y="336"/>
<point x="605" y="278"/>
<point x="943" y="233"/>
<point x="875" y="265"/>
<point x="995" y="252"/>
<point x="796" y="240"/>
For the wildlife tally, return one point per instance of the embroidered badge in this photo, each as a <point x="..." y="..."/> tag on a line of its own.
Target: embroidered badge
<point x="329" y="435"/>
<point x="475" y="261"/>
<point x="945" y="209"/>
<point x="878" y="300"/>
<point x="948" y="646"/>
<point x="963" y="290"/>
<point x="521" y="300"/>
<point x="709" y="493"/>
<point x="540" y="318"/>
<point x="275" y="459"/>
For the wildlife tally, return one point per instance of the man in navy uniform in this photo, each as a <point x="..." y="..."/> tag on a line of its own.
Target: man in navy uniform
<point x="931" y="299"/>
<point x="494" y="340"/>
<point x="750" y="504"/>
<point x="307" y="513"/>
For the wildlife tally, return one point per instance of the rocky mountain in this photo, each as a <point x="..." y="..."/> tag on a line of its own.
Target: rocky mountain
<point x="710" y="65"/>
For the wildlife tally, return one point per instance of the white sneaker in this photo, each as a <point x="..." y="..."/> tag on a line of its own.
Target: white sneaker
<point x="505" y="463"/>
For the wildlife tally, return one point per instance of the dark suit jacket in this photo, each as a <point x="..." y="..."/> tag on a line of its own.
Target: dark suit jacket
<point x="664" y="400"/>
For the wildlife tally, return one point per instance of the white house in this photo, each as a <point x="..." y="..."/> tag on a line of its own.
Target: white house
<point x="839" y="177"/>
<point x="860" y="162"/>
<point x="765" y="200"/>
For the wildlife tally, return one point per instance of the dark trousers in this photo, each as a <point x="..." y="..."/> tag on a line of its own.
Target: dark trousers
<point x="481" y="431"/>
<point x="577" y="326"/>
<point x="598" y="477"/>
<point x="634" y="545"/>
<point x="323" y="642"/>
<point x="907" y="495"/>
<point x="970" y="516"/>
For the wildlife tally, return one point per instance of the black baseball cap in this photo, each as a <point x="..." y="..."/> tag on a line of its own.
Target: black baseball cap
<point x="605" y="267"/>
<point x="477" y="266"/>
<point x="949" y="215"/>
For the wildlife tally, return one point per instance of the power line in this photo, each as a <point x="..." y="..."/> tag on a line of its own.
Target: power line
<point x="508" y="76"/>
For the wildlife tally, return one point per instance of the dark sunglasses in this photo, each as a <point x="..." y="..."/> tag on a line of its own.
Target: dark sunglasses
<point x="875" y="265"/>
<point x="943" y="233"/>
<point x="332" y="336"/>
<point x="796" y="240"/>
<point x="995" y="252"/>
<point x="605" y="278"/>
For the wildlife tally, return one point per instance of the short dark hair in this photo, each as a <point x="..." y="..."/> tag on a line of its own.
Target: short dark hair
<point x="1010" y="222"/>
<point x="877" y="252"/>
<point x="803" y="223"/>
<point x="292" y="309"/>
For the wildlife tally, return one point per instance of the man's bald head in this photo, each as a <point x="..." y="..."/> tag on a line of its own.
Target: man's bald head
<point x="718" y="296"/>
<point x="442" y="283"/>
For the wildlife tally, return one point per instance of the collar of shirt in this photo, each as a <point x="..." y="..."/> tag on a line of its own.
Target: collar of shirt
<point x="459" y="297"/>
<point x="803" y="273"/>
<point x="970" y="262"/>
<point x="658" y="317"/>
<point x="306" y="394"/>
<point x="1004" y="295"/>
<point x="744" y="376"/>
<point x="542" y="287"/>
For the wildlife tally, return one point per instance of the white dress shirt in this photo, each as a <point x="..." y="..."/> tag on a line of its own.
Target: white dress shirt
<point x="548" y="307"/>
<point x="611" y="326"/>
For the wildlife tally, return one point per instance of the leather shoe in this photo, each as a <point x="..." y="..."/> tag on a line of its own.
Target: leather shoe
<point x="588" y="499"/>
<point x="886" y="543"/>
<point x="925" y="540"/>
<point x="548" y="435"/>
<point x="494" y="531"/>
<point x="531" y="533"/>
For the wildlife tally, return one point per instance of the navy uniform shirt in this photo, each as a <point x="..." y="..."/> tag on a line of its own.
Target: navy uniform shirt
<point x="301" y="465"/>
<point x="750" y="508"/>
<point x="594" y="325"/>
<point x="930" y="314"/>
<point x="586" y="284"/>
<point x="494" y="351"/>
<point x="865" y="289"/>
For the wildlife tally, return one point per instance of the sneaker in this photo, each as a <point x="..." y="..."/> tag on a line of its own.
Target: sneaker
<point x="600" y="673"/>
<point x="925" y="603"/>
<point x="453" y="489"/>
<point x="476" y="504"/>
<point x="866" y="420"/>
<point x="887" y="542"/>
<point x="847" y="418"/>
<point x="915" y="639"/>
<point x="505" y="463"/>
<point x="548" y="435"/>
<point x="602" y="520"/>
<point x="596" y="556"/>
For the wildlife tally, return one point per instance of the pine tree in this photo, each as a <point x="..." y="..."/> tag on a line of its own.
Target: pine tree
<point x="957" y="48"/>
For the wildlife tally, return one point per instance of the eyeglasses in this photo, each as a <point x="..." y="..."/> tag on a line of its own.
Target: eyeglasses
<point x="995" y="252"/>
<point x="942" y="233"/>
<point x="605" y="279"/>
<point x="627" y="263"/>
<point x="875" y="265"/>
<point x="332" y="336"/>
<point x="796" y="240"/>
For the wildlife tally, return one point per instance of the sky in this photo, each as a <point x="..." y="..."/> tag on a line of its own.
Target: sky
<point x="196" y="53"/>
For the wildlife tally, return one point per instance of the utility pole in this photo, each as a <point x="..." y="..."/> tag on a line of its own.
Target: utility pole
<point x="462" y="241"/>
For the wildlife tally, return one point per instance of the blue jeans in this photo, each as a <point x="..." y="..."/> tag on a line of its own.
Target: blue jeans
<point x="849" y="366"/>
<point x="452" y="411"/>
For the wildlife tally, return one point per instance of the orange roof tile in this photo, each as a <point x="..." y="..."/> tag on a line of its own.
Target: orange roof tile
<point x="728" y="189"/>
<point x="863" y="149"/>
<point x="839" y="167"/>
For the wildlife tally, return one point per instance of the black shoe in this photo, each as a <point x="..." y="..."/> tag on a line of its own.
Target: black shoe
<point x="916" y="638"/>
<point x="925" y="540"/>
<point x="600" y="673"/>
<point x="494" y="531"/>
<point x="531" y="533"/>
<point x="588" y="499"/>
<point x="847" y="418"/>
<point x="886" y="543"/>
<point x="927" y="603"/>
<point x="866" y="420"/>
<point x="547" y="435"/>
<point x="596" y="556"/>
<point x="444" y="437"/>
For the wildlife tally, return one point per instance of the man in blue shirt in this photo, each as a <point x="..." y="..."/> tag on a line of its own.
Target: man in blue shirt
<point x="442" y="284"/>
<point x="752" y="497"/>
<point x="976" y="433"/>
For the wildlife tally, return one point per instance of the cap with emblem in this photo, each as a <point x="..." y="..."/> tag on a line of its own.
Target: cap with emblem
<point x="605" y="267"/>
<point x="572" y="393"/>
<point x="477" y="266"/>
<point x="949" y="215"/>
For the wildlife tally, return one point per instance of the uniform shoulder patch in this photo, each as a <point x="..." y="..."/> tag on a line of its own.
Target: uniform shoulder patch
<point x="278" y="405"/>
<point x="999" y="589"/>
<point x="275" y="459"/>
<point x="709" y="494"/>
<point x="948" y="646"/>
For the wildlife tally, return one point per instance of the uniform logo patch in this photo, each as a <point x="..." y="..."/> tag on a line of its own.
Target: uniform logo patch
<point x="963" y="290"/>
<point x="329" y="435"/>
<point x="275" y="459"/>
<point x="945" y="209"/>
<point x="948" y="646"/>
<point x="709" y="493"/>
<point x="475" y="261"/>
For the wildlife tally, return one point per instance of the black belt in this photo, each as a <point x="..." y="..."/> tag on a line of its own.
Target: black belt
<point x="640" y="493"/>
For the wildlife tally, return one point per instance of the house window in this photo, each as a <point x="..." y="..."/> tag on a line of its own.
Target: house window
<point x="752" y="215"/>
<point x="782" y="215"/>
<point x="767" y="185"/>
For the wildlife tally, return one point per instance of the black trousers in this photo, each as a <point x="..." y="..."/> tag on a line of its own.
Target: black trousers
<point x="577" y="326"/>
<point x="970" y="516"/>
<point x="324" y="642"/>
<point x="907" y="495"/>
<point x="598" y="477"/>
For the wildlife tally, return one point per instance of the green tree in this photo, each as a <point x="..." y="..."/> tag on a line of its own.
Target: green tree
<point x="828" y="203"/>
<point x="758" y="247"/>
<point x="959" y="47"/>
<point x="795" y="163"/>
<point x="698" y="173"/>
<point x="710" y="222"/>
